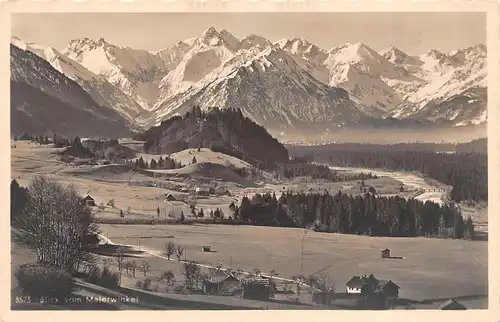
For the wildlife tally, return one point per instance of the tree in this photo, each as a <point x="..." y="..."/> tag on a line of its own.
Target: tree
<point x="111" y="203"/>
<point x="168" y="276"/>
<point x="55" y="223"/>
<point x="119" y="256"/>
<point x="133" y="266"/>
<point x="200" y="213"/>
<point x="106" y="263"/>
<point x="194" y="160"/>
<point x="145" y="267"/>
<point x="182" y="217"/>
<point x="179" y="253"/>
<point x="370" y="285"/>
<point x="256" y="272"/>
<point x="158" y="211"/>
<point x="18" y="203"/>
<point x="121" y="213"/>
<point x="191" y="272"/>
<point x="169" y="249"/>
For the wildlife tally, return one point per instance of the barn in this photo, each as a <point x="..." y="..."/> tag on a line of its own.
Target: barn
<point x="257" y="289"/>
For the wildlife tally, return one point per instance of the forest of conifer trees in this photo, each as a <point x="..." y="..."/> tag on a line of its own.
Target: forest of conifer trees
<point x="362" y="214"/>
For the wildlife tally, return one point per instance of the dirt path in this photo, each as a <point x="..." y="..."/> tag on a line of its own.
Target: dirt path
<point x="158" y="254"/>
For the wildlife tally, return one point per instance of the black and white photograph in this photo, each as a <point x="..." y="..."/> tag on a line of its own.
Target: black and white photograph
<point x="249" y="160"/>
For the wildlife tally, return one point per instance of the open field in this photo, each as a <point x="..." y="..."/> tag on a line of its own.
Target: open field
<point x="431" y="268"/>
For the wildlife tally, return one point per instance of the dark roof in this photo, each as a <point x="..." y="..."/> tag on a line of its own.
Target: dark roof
<point x="386" y="250"/>
<point x="224" y="278"/>
<point x="88" y="197"/>
<point x="383" y="284"/>
<point x="451" y="304"/>
<point x="355" y="281"/>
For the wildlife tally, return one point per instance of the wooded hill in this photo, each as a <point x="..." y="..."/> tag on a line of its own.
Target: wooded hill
<point x="226" y="131"/>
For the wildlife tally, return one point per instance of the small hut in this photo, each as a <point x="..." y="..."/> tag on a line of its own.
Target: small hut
<point x="206" y="249"/>
<point x="89" y="201"/>
<point x="386" y="253"/>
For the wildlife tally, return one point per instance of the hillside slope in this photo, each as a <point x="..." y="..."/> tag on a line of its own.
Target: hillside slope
<point x="43" y="100"/>
<point x="226" y="131"/>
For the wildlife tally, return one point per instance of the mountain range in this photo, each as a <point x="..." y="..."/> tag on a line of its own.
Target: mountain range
<point x="289" y="85"/>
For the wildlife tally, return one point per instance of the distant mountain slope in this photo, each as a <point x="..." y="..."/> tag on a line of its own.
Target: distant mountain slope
<point x="270" y="88"/>
<point x="288" y="86"/>
<point x="43" y="100"/>
<point x="101" y="91"/>
<point x="136" y="72"/>
<point x="226" y="131"/>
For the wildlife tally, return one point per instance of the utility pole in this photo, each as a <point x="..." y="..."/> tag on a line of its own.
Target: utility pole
<point x="302" y="252"/>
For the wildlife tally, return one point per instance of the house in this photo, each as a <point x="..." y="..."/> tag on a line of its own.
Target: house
<point x="257" y="289"/>
<point x="451" y="304"/>
<point x="89" y="201"/>
<point x="205" y="248"/>
<point x="386" y="287"/>
<point x="170" y="197"/>
<point x="353" y="286"/>
<point x="223" y="285"/>
<point x="386" y="253"/>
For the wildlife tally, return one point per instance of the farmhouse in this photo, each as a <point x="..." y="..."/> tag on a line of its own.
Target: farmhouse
<point x="223" y="285"/>
<point x="387" y="287"/>
<point x="451" y="304"/>
<point x="89" y="201"/>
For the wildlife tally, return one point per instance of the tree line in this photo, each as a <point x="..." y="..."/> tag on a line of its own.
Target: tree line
<point x="467" y="173"/>
<point x="362" y="215"/>
<point x="162" y="163"/>
<point x="299" y="168"/>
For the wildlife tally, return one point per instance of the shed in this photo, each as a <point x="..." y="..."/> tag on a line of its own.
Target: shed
<point x="89" y="201"/>
<point x="205" y="248"/>
<point x="451" y="304"/>
<point x="386" y="253"/>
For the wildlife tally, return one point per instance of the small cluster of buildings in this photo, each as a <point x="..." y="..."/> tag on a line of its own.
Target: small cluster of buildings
<point x="255" y="288"/>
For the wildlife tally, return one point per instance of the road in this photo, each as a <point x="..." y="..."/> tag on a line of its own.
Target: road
<point x="158" y="254"/>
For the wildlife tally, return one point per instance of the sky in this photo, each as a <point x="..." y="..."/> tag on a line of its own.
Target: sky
<point x="413" y="32"/>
